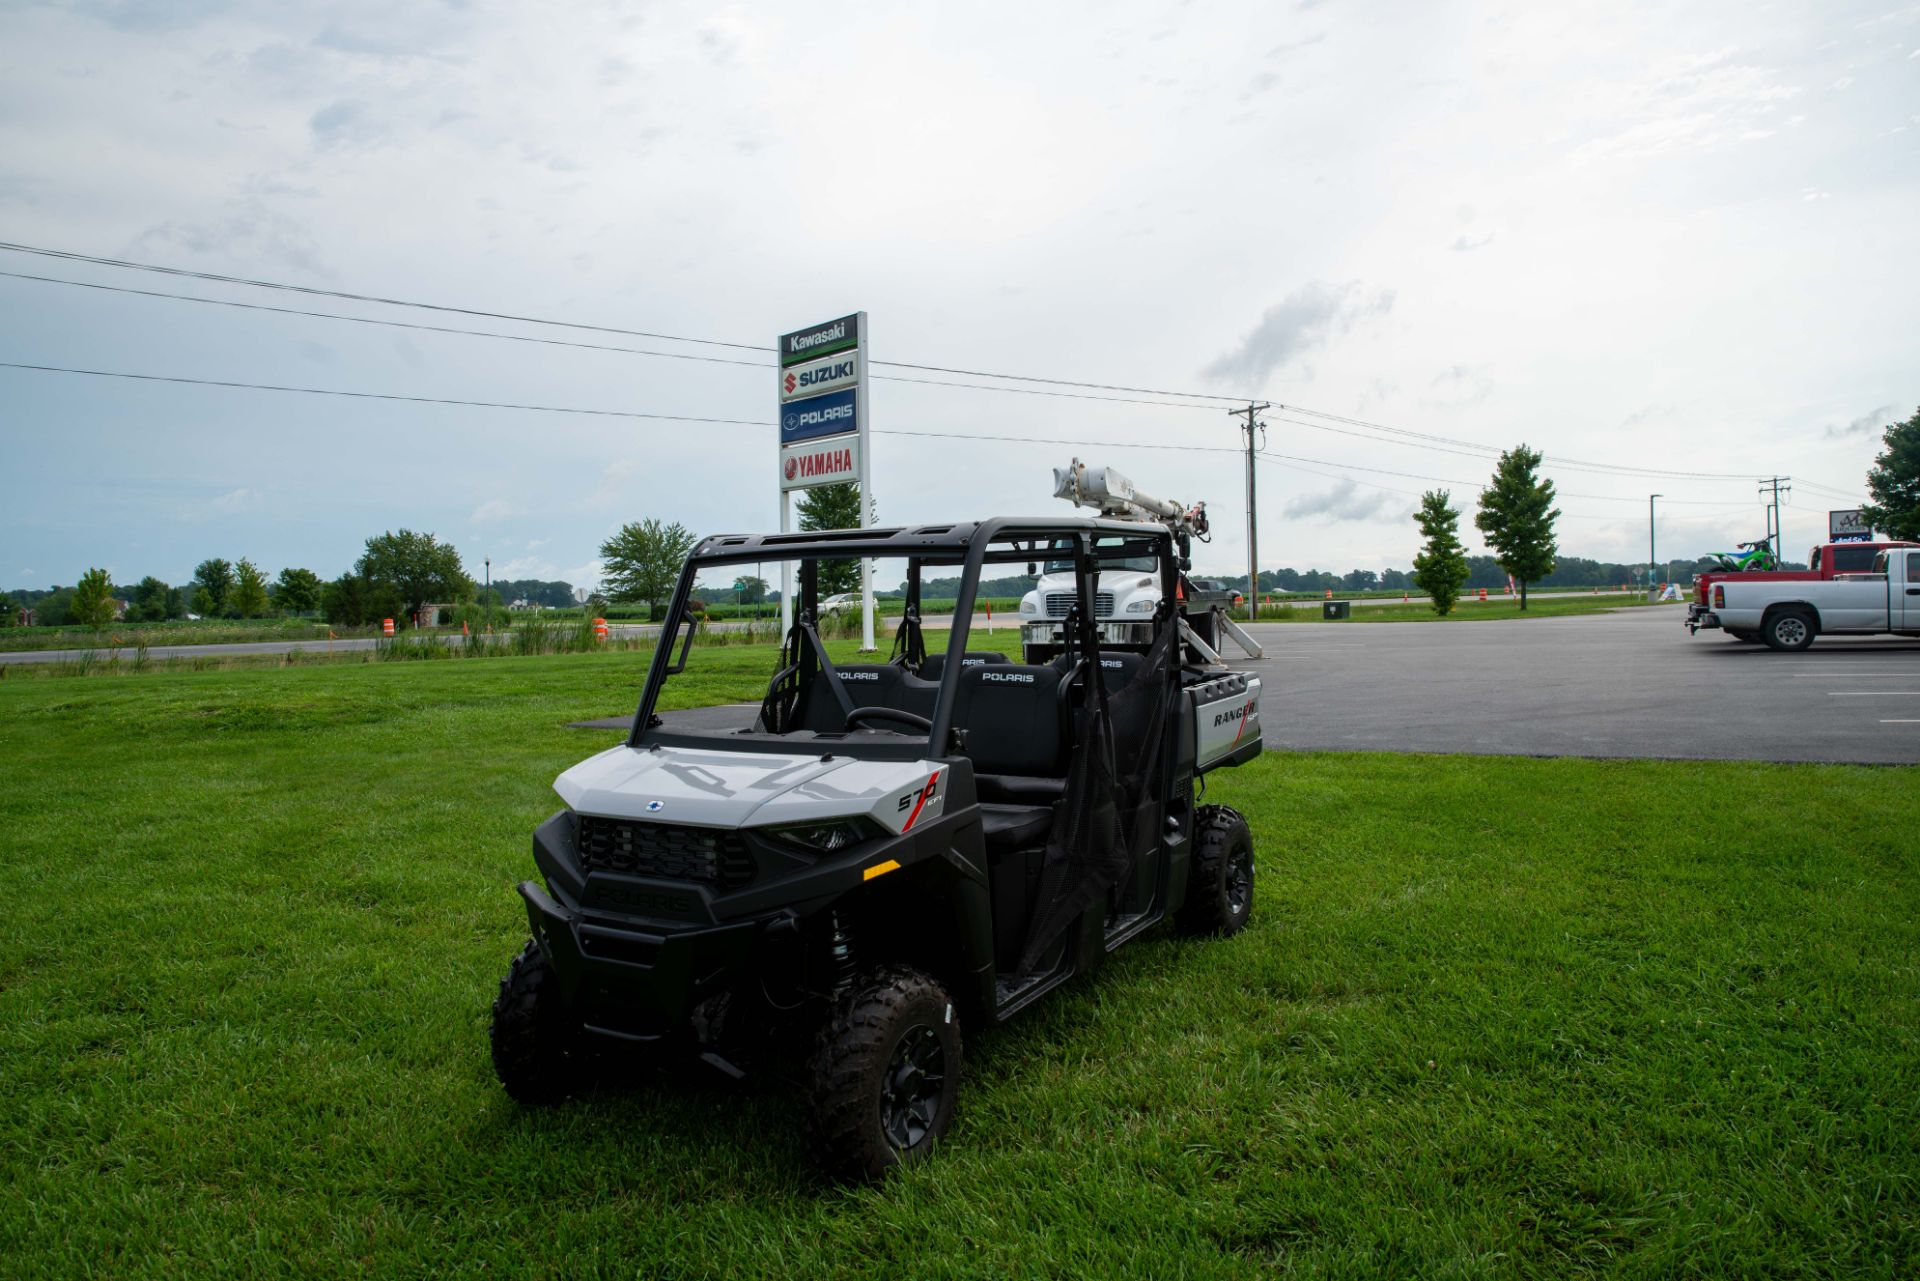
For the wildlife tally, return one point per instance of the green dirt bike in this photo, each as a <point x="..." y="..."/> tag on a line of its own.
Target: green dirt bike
<point x="1751" y="558"/>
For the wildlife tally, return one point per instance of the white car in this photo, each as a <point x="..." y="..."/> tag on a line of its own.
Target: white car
<point x="835" y="604"/>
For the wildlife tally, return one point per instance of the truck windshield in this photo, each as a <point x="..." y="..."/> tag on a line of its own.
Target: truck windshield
<point x="1106" y="552"/>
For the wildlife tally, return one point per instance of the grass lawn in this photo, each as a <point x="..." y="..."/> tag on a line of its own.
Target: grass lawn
<point x="1492" y="1017"/>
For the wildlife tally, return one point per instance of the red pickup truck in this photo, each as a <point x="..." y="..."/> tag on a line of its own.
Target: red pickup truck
<point x="1823" y="563"/>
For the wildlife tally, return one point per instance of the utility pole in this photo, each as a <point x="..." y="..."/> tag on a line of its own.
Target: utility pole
<point x="1650" y="556"/>
<point x="488" y="562"/>
<point x="1253" y="513"/>
<point x="1775" y="484"/>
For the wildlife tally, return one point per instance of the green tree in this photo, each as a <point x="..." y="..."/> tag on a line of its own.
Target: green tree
<point x="93" y="599"/>
<point x="1894" y="482"/>
<point x="297" y="591"/>
<point x="1440" y="570"/>
<point x="1517" y="515"/>
<point x="9" y="611"/>
<point x="249" y="599"/>
<point x="150" y="600"/>
<point x="214" y="579"/>
<point x="833" y="507"/>
<point x="751" y="589"/>
<point x="345" y="600"/>
<point x="419" y="568"/>
<point x="643" y="559"/>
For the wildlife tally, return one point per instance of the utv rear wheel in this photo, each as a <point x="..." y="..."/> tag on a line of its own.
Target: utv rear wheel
<point x="1219" y="875"/>
<point x="884" y="1076"/>
<point x="539" y="1050"/>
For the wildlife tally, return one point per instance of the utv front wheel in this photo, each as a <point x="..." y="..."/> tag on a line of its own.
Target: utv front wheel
<point x="538" y="1045"/>
<point x="884" y="1075"/>
<point x="1219" y="875"/>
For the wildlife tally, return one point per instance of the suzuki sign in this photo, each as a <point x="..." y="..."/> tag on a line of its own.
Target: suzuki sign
<point x="834" y="461"/>
<point x="830" y="373"/>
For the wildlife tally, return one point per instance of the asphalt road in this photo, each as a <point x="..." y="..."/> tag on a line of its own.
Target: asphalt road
<point x="624" y="631"/>
<point x="1627" y="684"/>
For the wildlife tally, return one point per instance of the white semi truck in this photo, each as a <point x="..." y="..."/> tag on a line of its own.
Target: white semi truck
<point x="1127" y="593"/>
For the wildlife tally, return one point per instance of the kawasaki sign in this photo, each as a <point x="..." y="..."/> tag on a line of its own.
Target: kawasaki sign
<point x="820" y="340"/>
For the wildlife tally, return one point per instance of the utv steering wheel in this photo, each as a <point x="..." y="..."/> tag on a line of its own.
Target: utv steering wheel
<point x="888" y="714"/>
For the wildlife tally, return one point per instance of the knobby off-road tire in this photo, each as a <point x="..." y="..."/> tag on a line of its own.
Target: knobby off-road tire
<point x="539" y="1048"/>
<point x="1790" y="629"/>
<point x="884" y="1075"/>
<point x="1219" y="875"/>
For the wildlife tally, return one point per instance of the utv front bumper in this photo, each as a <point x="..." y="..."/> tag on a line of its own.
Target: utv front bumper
<point x="635" y="956"/>
<point x="635" y="983"/>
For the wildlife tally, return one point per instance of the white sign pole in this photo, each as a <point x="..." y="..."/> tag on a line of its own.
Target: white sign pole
<point x="786" y="567"/>
<point x="865" y="418"/>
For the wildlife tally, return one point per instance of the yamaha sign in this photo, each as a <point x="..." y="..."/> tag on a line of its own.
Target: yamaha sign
<point x="821" y="462"/>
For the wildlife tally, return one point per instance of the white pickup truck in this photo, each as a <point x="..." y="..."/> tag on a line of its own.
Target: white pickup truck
<point x="1788" y="615"/>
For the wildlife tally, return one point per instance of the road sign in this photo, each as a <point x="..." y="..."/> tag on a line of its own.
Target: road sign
<point x="1848" y="527"/>
<point x="824" y="415"/>
<point x="833" y="461"/>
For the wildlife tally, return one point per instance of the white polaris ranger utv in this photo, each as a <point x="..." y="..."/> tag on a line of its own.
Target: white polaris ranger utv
<point x="831" y="881"/>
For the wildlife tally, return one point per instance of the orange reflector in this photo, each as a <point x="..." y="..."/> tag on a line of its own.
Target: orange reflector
<point x="880" y="869"/>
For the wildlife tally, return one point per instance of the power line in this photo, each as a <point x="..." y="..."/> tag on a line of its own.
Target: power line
<point x="560" y="342"/>
<point x="1403" y="435"/>
<point x="378" y="395"/>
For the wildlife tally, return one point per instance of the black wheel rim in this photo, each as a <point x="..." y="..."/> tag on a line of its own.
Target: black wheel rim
<point x="910" y="1091"/>
<point x="1239" y="879"/>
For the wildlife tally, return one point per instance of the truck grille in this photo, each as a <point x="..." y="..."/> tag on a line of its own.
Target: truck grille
<point x="673" y="853"/>
<point x="1059" y="604"/>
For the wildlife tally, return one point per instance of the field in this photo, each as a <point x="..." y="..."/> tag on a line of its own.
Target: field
<point x="1466" y="611"/>
<point x="1493" y="1017"/>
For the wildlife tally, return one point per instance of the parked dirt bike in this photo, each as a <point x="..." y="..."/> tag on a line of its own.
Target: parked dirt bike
<point x="1752" y="558"/>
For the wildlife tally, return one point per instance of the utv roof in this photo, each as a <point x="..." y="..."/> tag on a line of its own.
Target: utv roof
<point x="908" y="540"/>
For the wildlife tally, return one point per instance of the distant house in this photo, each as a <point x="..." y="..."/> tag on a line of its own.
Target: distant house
<point x="120" y="608"/>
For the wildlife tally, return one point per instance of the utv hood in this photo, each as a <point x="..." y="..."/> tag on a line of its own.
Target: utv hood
<point x="739" y="789"/>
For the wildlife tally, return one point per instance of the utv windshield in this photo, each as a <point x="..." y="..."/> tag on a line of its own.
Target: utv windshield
<point x="729" y="667"/>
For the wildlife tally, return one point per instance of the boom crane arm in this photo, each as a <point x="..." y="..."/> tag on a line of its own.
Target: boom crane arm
<point x="1111" y="494"/>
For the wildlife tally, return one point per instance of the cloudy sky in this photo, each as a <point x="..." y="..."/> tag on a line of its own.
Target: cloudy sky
<point x="1675" y="238"/>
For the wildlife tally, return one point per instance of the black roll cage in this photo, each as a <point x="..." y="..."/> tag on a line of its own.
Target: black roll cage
<point x="965" y="544"/>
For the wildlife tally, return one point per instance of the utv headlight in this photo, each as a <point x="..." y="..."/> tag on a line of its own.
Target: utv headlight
<point x="827" y="837"/>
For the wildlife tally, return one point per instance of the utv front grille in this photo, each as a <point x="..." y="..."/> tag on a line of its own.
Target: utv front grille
<point x="670" y="852"/>
<point x="1060" y="603"/>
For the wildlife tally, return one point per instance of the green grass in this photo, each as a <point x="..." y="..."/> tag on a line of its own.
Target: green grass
<point x="1493" y="1017"/>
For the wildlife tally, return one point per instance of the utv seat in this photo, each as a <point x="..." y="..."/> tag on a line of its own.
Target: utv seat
<point x="867" y="685"/>
<point x="1015" y="718"/>
<point x="1011" y="827"/>
<point x="937" y="663"/>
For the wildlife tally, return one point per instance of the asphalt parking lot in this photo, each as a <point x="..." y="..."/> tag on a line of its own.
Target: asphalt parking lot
<point x="1630" y="684"/>
<point x="1626" y="684"/>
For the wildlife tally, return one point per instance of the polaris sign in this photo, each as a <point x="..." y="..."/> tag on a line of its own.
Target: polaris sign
<point x="830" y="415"/>
<point x="816" y="377"/>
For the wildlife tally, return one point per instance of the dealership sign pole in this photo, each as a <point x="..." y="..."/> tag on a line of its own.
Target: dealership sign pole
<point x="823" y="433"/>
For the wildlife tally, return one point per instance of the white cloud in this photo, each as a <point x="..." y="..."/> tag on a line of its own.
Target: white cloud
<point x="493" y="511"/>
